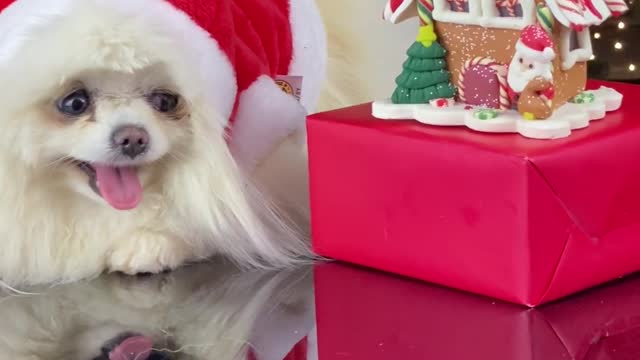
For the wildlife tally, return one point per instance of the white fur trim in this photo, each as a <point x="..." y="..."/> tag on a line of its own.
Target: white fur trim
<point x="203" y="53"/>
<point x="17" y="20"/>
<point x="309" y="50"/>
<point x="265" y="117"/>
<point x="543" y="56"/>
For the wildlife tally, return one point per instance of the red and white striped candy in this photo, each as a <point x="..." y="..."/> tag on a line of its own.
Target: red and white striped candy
<point x="617" y="7"/>
<point x="573" y="10"/>
<point x="509" y="5"/>
<point x="395" y="9"/>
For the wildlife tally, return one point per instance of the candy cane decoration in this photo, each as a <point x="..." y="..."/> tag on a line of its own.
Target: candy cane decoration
<point x="501" y="74"/>
<point x="573" y="10"/>
<point x="425" y="10"/>
<point x="509" y="5"/>
<point x="617" y="7"/>
<point x="545" y="18"/>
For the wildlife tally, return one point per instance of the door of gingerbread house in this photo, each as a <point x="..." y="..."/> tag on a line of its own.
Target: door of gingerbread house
<point x="483" y="83"/>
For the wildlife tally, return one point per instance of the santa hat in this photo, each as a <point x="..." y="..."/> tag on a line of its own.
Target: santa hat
<point x="535" y="44"/>
<point x="236" y="48"/>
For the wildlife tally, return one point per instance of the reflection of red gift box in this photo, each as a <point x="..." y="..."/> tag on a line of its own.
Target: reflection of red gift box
<point x="374" y="316"/>
<point x="527" y="221"/>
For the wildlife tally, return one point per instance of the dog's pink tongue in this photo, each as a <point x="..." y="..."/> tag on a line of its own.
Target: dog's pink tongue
<point x="119" y="186"/>
<point x="134" y="348"/>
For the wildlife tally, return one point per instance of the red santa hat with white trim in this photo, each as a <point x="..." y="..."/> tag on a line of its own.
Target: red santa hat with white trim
<point x="536" y="44"/>
<point x="238" y="48"/>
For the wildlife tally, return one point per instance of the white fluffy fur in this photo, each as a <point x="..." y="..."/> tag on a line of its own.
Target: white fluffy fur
<point x="196" y="201"/>
<point x="208" y="311"/>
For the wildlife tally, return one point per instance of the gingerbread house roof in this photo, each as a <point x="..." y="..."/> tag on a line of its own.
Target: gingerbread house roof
<point x="576" y="14"/>
<point x="399" y="10"/>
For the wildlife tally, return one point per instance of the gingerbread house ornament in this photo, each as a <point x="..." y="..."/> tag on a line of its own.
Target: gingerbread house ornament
<point x="501" y="65"/>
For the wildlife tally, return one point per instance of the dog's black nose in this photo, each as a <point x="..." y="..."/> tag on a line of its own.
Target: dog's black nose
<point x="131" y="141"/>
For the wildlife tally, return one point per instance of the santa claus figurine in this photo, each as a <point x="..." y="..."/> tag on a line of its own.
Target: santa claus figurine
<point x="533" y="59"/>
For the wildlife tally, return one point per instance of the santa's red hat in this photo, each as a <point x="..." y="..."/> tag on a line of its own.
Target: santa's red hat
<point x="536" y="44"/>
<point x="237" y="48"/>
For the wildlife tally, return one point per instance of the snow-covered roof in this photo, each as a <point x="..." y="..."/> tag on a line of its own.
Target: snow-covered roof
<point x="584" y="13"/>
<point x="576" y="14"/>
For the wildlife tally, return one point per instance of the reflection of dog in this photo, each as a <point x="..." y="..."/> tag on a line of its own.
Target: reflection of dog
<point x="201" y="312"/>
<point x="119" y="110"/>
<point x="535" y="101"/>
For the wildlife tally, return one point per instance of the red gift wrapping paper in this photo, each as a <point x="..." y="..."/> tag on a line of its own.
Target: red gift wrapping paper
<point x="521" y="220"/>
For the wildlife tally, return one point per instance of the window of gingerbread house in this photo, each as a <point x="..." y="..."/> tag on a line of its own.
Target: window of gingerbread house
<point x="509" y="8"/>
<point x="460" y="6"/>
<point x="500" y="14"/>
<point x="575" y="47"/>
<point x="508" y="14"/>
<point x="457" y="11"/>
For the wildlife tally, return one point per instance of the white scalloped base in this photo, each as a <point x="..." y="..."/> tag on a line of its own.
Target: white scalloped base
<point x="567" y="118"/>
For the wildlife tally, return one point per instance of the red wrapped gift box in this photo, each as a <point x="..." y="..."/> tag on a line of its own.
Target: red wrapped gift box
<point x="526" y="221"/>
<point x="372" y="316"/>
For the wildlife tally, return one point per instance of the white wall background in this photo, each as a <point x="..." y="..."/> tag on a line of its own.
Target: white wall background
<point x="366" y="53"/>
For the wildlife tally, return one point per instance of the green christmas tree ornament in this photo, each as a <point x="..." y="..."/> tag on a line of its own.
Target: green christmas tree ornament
<point x="424" y="76"/>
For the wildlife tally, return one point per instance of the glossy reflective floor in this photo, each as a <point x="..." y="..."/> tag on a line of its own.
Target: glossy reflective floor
<point x="208" y="311"/>
<point x="213" y="311"/>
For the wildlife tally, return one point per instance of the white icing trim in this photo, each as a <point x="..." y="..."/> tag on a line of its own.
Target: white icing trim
<point x="485" y="13"/>
<point x="581" y="54"/>
<point x="408" y="9"/>
<point x="567" y="118"/>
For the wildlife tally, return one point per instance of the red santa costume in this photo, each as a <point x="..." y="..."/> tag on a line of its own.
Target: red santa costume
<point x="236" y="47"/>
<point x="533" y="58"/>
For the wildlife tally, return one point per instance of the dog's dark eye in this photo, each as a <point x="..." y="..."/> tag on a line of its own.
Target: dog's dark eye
<point x="164" y="102"/>
<point x="75" y="103"/>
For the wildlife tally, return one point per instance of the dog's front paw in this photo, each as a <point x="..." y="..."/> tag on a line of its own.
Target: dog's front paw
<point x="148" y="253"/>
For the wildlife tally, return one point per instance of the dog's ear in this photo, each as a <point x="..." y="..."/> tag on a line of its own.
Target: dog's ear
<point x="212" y="201"/>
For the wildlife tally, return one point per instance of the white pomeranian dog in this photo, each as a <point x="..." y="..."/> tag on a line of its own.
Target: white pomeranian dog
<point x="207" y="311"/>
<point x="140" y="135"/>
